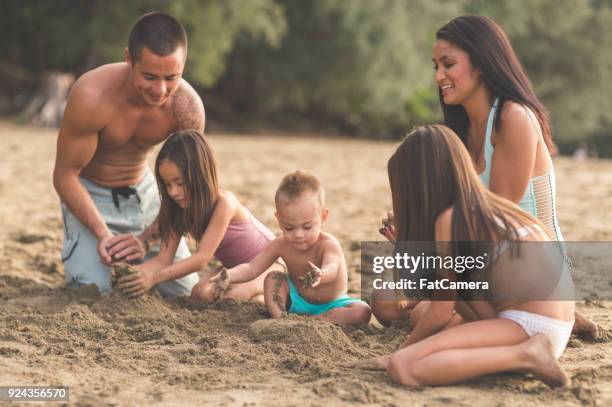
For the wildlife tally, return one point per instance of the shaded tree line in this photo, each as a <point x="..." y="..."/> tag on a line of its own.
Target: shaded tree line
<point x="359" y="67"/>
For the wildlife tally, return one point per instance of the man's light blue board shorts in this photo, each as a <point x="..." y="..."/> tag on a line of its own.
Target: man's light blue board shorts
<point x="123" y="212"/>
<point x="300" y="306"/>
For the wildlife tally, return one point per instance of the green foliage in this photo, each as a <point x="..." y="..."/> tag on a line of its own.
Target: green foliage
<point x="35" y="41"/>
<point x="76" y="35"/>
<point x="213" y="27"/>
<point x="566" y="48"/>
<point x="361" y="65"/>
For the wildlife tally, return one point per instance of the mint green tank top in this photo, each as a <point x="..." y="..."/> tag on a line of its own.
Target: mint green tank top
<point x="540" y="197"/>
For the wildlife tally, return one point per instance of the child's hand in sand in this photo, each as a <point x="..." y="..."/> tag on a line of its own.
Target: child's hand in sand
<point x="119" y="270"/>
<point x="388" y="229"/>
<point x="313" y="277"/>
<point x="132" y="281"/>
<point x="220" y="283"/>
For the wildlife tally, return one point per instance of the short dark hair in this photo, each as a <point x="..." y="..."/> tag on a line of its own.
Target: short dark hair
<point x="159" y="32"/>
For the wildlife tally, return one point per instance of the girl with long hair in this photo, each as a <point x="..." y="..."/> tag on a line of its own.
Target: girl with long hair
<point x="437" y="196"/>
<point x="193" y="204"/>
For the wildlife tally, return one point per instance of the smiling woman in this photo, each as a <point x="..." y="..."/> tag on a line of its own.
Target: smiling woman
<point x="454" y="73"/>
<point x="488" y="100"/>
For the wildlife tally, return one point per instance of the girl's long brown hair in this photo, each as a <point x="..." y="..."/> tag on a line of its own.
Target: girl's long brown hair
<point x="432" y="171"/>
<point x="490" y="52"/>
<point x="190" y="152"/>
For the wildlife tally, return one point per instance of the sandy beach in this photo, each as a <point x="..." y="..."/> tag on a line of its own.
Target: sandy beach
<point x="114" y="351"/>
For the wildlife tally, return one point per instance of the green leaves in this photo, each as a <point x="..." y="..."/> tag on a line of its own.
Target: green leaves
<point x="362" y="66"/>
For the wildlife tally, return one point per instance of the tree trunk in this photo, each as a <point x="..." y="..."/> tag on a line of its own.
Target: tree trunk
<point x="46" y="107"/>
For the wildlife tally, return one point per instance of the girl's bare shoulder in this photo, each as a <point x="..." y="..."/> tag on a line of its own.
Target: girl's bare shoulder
<point x="230" y="201"/>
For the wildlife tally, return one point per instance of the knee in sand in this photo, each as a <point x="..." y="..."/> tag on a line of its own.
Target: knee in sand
<point x="361" y="313"/>
<point x="203" y="291"/>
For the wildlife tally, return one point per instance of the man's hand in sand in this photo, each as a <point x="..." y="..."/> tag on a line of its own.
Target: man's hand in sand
<point x="377" y="363"/>
<point x="136" y="283"/>
<point x="103" y="249"/>
<point x="126" y="247"/>
<point x="313" y="277"/>
<point x="220" y="284"/>
<point x="388" y="229"/>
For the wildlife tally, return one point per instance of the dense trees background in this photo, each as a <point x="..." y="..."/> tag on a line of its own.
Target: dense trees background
<point x="360" y="67"/>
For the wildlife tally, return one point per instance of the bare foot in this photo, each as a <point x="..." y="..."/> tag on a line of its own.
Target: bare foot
<point x="377" y="363"/>
<point x="584" y="328"/>
<point x="545" y="366"/>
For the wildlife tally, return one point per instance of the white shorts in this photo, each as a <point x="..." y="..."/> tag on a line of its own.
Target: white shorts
<point x="558" y="331"/>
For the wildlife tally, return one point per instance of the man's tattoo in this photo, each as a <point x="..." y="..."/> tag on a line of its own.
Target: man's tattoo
<point x="186" y="111"/>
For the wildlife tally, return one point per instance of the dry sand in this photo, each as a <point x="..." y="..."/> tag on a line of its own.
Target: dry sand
<point x="111" y="350"/>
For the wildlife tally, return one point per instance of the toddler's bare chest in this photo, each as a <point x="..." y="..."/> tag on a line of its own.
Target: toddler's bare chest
<point x="298" y="264"/>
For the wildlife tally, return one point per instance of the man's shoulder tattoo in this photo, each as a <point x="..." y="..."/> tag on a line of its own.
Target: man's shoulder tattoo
<point x="186" y="110"/>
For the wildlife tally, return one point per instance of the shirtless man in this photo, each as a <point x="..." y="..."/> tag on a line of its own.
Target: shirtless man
<point x="114" y="116"/>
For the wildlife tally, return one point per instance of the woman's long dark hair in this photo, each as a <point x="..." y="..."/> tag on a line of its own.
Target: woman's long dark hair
<point x="194" y="158"/>
<point x="490" y="52"/>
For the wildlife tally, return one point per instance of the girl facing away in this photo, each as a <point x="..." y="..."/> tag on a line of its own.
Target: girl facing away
<point x="437" y="196"/>
<point x="193" y="204"/>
